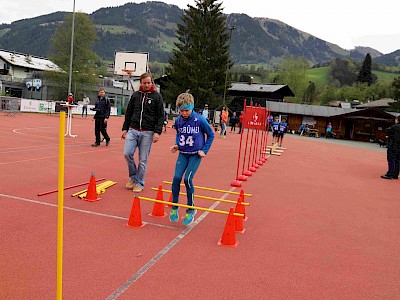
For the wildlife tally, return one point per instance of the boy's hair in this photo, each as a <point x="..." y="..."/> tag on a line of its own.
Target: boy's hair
<point x="100" y="89"/>
<point x="145" y="75"/>
<point x="184" y="98"/>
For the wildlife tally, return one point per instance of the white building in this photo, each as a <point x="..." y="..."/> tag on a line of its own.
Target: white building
<point x="18" y="71"/>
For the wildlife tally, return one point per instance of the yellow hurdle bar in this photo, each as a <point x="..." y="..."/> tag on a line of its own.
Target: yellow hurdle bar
<point x="193" y="207"/>
<point x="100" y="189"/>
<point x="205" y="197"/>
<point x="100" y="186"/>
<point x="211" y="189"/>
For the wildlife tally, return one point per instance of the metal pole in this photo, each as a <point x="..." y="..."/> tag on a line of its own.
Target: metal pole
<point x="230" y="28"/>
<point x="72" y="50"/>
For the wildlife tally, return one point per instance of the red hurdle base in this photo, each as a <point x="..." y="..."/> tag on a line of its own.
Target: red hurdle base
<point x="242" y="178"/>
<point x="236" y="183"/>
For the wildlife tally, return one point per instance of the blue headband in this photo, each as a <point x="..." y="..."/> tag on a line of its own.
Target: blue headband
<point x="186" y="107"/>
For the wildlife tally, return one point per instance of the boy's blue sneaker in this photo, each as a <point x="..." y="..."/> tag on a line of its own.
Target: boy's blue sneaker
<point x="173" y="215"/>
<point x="189" y="217"/>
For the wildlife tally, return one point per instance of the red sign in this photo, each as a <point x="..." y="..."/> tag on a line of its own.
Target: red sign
<point x="255" y="118"/>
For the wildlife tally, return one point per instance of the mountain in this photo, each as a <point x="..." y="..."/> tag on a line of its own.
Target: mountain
<point x="150" y="27"/>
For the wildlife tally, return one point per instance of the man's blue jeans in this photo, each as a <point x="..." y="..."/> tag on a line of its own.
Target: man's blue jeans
<point x="141" y="140"/>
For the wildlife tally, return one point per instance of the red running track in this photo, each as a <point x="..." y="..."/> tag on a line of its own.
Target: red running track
<point x="321" y="224"/>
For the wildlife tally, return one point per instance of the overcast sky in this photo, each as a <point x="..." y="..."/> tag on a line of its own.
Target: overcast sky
<point x="347" y="23"/>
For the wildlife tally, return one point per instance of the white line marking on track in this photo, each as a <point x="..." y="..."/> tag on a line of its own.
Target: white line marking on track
<point x="83" y="211"/>
<point x="118" y="292"/>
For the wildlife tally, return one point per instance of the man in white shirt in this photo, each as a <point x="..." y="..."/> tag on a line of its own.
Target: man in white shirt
<point x="85" y="103"/>
<point x="205" y="113"/>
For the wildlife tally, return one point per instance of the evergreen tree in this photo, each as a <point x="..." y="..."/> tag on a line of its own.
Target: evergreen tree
<point x="310" y="93"/>
<point x="84" y="58"/>
<point x="396" y="95"/>
<point x="201" y="56"/>
<point x="365" y="74"/>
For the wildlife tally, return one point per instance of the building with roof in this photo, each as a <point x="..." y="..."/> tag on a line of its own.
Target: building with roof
<point x="20" y="74"/>
<point x="363" y="123"/>
<point x="383" y="103"/>
<point x="275" y="92"/>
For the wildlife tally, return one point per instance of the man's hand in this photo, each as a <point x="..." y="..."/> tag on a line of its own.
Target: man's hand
<point x="174" y="148"/>
<point x="124" y="132"/>
<point x="201" y="153"/>
<point x="156" y="137"/>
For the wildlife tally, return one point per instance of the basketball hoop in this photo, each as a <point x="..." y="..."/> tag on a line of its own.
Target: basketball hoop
<point x="127" y="72"/>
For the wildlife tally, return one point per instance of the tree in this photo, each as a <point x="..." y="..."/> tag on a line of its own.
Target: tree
<point x="343" y="71"/>
<point x="365" y="74"/>
<point x="310" y="93"/>
<point x="292" y="72"/>
<point x="84" y="58"/>
<point x="396" y="95"/>
<point x="201" y="56"/>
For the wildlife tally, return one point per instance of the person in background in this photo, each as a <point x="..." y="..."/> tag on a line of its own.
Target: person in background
<point x="329" y="131"/>
<point x="275" y="130"/>
<point x="102" y="108"/>
<point x="85" y="103"/>
<point x="165" y="121"/>
<point x="70" y="99"/>
<point x="224" y="121"/>
<point x="241" y="119"/>
<point x="282" y="130"/>
<point x="393" y="150"/>
<point x="194" y="137"/>
<point x="144" y="120"/>
<point x="233" y="120"/>
<point x="205" y="113"/>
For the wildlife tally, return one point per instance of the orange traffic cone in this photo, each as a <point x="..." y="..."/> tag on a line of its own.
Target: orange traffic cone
<point x="240" y="208"/>
<point x="239" y="221"/>
<point x="135" y="218"/>
<point x="228" y="237"/>
<point x="158" y="208"/>
<point x="170" y="200"/>
<point x="91" y="194"/>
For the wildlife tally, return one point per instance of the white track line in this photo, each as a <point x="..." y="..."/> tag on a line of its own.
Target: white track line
<point x="82" y="211"/>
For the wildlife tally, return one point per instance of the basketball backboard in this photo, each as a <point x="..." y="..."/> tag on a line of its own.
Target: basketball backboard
<point x="130" y="63"/>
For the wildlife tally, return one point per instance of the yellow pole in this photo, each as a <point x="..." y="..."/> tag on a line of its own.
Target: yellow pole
<point x="211" y="189"/>
<point x="193" y="207"/>
<point x="60" y="219"/>
<point x="205" y="197"/>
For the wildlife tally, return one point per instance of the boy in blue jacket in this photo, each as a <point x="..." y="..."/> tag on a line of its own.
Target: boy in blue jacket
<point x="194" y="137"/>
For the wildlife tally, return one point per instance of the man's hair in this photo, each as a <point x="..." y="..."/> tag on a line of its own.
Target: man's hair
<point x="100" y="89"/>
<point x="184" y="98"/>
<point x="145" y="75"/>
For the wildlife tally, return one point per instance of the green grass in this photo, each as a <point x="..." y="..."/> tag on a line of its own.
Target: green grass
<point x="114" y="29"/>
<point x="385" y="76"/>
<point x="318" y="75"/>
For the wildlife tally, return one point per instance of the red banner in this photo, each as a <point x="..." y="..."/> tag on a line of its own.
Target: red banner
<point x="255" y="118"/>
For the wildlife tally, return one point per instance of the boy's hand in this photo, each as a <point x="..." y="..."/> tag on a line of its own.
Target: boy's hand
<point x="201" y="153"/>
<point x="174" y="148"/>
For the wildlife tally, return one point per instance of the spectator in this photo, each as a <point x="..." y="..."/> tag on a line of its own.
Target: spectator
<point x="205" y="113"/>
<point x="224" y="121"/>
<point x="329" y="131"/>
<point x="102" y="108"/>
<point x="85" y="103"/>
<point x="241" y="119"/>
<point x="234" y="120"/>
<point x="393" y="150"/>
